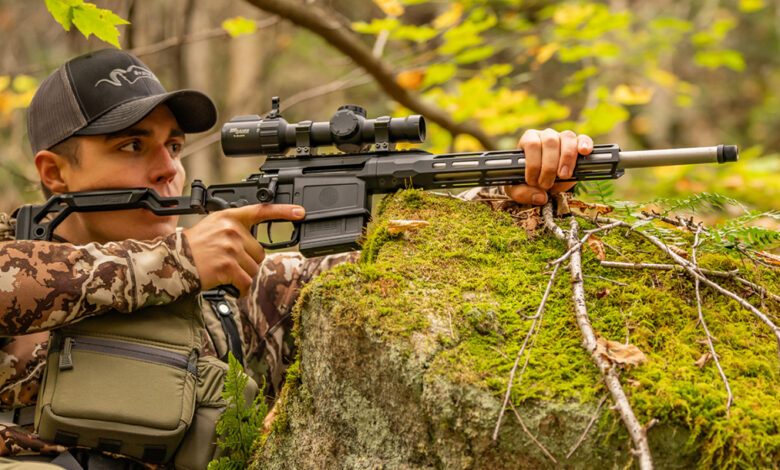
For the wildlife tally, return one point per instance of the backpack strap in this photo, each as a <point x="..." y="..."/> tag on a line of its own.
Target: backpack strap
<point x="223" y="311"/>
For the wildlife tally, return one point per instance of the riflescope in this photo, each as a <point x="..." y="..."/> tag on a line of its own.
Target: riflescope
<point x="348" y="130"/>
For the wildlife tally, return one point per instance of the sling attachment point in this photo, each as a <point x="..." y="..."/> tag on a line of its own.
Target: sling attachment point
<point x="216" y="298"/>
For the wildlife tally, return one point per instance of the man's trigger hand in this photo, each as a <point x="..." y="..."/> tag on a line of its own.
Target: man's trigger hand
<point x="224" y="250"/>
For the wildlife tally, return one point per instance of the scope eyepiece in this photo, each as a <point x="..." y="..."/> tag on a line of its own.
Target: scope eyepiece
<point x="348" y="130"/>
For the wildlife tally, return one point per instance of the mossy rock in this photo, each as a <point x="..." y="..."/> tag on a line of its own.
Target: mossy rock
<point x="404" y="357"/>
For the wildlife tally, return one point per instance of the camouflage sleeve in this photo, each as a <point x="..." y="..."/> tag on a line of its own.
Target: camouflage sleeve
<point x="265" y="312"/>
<point x="479" y="193"/>
<point x="45" y="285"/>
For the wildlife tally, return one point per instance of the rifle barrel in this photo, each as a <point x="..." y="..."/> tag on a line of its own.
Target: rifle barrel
<point x="683" y="156"/>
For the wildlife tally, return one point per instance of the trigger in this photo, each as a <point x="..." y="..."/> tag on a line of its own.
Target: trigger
<point x="268" y="229"/>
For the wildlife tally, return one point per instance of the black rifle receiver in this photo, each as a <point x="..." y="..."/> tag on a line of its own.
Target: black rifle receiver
<point x="335" y="188"/>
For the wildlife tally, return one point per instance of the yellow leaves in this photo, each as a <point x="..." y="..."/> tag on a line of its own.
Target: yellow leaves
<point x="619" y="353"/>
<point x="398" y="226"/>
<point x="543" y="54"/>
<point x="24" y="83"/>
<point x="390" y="7"/>
<point x="15" y="93"/>
<point x="751" y="5"/>
<point x="630" y="95"/>
<point x="572" y="15"/>
<point x="597" y="246"/>
<point x="467" y="143"/>
<point x="239" y="25"/>
<point x="411" y="79"/>
<point x="449" y="17"/>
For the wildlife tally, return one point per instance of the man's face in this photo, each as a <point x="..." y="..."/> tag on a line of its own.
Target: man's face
<point x="145" y="155"/>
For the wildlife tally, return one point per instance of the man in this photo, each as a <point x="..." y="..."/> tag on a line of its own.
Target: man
<point x="104" y="121"/>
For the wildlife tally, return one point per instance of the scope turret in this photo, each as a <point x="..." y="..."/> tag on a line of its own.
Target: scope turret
<point x="348" y="130"/>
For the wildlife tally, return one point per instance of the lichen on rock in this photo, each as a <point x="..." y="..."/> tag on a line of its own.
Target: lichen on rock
<point x="404" y="357"/>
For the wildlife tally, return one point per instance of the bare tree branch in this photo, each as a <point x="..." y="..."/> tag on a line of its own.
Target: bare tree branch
<point x="635" y="430"/>
<point x="321" y="23"/>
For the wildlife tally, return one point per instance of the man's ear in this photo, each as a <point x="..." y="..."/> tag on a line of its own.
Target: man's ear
<point x="50" y="168"/>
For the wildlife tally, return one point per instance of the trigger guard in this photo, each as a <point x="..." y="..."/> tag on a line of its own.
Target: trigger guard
<point x="294" y="238"/>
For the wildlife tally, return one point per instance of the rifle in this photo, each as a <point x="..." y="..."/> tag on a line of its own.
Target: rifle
<point x="335" y="188"/>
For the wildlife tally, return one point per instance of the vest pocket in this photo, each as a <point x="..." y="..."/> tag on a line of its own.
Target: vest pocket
<point x="123" y="383"/>
<point x="100" y="377"/>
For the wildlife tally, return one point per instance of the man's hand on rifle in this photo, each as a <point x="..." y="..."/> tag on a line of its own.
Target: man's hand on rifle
<point x="223" y="248"/>
<point x="548" y="154"/>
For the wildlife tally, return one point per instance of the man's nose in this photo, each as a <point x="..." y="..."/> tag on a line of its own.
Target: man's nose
<point x="164" y="166"/>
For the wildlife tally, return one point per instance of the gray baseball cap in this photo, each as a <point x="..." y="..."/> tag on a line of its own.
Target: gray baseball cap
<point x="103" y="92"/>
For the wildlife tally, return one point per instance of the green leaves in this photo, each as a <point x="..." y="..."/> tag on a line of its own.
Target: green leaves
<point x="87" y="18"/>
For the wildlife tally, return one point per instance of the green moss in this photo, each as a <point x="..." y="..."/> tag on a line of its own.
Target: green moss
<point x="473" y="277"/>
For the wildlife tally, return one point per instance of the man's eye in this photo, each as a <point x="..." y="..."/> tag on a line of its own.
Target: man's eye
<point x="174" y="149"/>
<point x="131" y="147"/>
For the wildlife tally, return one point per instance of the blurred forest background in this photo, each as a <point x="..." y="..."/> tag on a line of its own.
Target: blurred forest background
<point x="666" y="73"/>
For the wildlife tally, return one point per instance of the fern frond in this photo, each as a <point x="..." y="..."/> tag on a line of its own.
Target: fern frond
<point x="600" y="190"/>
<point x="697" y="202"/>
<point x="240" y="425"/>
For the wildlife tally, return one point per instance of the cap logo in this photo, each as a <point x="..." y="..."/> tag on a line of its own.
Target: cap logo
<point x="130" y="75"/>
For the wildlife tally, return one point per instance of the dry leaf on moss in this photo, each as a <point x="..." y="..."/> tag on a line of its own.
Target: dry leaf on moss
<point x="619" y="353"/>
<point x="703" y="360"/>
<point x="603" y="293"/>
<point x="398" y="226"/>
<point x="600" y="208"/>
<point x="595" y="244"/>
<point x="678" y="251"/>
<point x="634" y="383"/>
<point x="769" y="258"/>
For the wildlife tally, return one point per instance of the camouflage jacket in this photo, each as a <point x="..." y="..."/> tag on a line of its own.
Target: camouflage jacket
<point x="82" y="281"/>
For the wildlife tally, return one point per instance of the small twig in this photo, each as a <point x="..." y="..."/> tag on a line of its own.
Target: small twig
<point x="614" y="249"/>
<point x="628" y="326"/>
<point x="538" y="318"/>
<point x="499" y="351"/>
<point x="607" y="279"/>
<point x="520" y="420"/>
<point x="706" y="330"/>
<point x="587" y="428"/>
<point x="669" y="267"/>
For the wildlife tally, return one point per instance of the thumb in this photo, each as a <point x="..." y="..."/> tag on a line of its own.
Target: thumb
<point x="255" y="213"/>
<point x="525" y="194"/>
